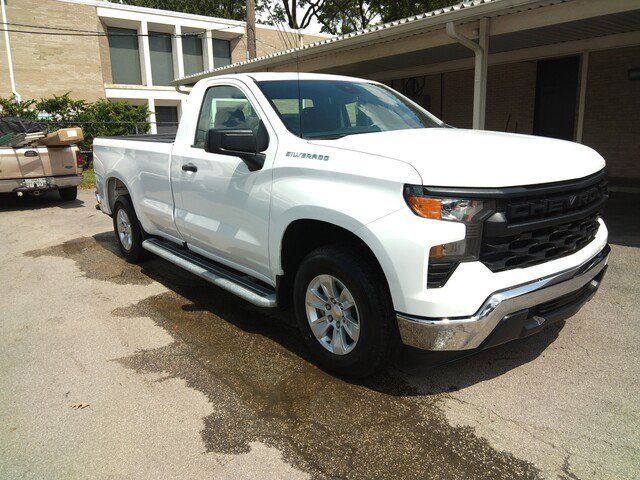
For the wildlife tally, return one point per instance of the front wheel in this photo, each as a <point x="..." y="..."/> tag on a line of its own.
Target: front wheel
<point x="344" y="311"/>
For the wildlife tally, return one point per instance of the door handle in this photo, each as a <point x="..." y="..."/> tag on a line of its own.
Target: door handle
<point x="189" y="167"/>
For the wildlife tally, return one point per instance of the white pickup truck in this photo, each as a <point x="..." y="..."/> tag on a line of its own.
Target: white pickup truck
<point x="378" y="223"/>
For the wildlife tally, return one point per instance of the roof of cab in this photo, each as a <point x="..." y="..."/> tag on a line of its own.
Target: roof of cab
<point x="271" y="76"/>
<point x="266" y="76"/>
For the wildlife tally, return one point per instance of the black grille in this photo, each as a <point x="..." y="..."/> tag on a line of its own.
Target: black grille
<point x="537" y="246"/>
<point x="539" y="227"/>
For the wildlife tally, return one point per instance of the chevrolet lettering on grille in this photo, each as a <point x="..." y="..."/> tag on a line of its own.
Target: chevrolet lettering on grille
<point x="533" y="208"/>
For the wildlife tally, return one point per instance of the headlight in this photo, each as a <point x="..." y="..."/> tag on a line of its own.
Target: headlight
<point x="471" y="212"/>
<point x="453" y="209"/>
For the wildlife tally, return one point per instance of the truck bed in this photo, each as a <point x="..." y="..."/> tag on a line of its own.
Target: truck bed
<point x="146" y="137"/>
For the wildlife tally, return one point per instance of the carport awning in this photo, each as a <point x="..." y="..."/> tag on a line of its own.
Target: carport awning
<point x="589" y="28"/>
<point x="405" y="45"/>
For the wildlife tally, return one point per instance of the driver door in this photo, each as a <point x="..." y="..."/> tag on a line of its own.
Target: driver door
<point x="222" y="208"/>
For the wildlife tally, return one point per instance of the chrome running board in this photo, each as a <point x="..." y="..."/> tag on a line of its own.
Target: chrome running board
<point x="242" y="286"/>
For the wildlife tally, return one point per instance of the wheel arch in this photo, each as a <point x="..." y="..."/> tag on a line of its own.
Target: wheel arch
<point x="115" y="187"/>
<point x="303" y="235"/>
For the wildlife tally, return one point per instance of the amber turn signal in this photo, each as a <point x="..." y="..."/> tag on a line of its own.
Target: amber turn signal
<point x="425" y="207"/>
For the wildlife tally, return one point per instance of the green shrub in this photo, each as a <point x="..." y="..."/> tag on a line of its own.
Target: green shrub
<point x="98" y="119"/>
<point x="24" y="109"/>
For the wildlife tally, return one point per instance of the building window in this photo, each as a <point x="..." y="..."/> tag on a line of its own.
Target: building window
<point x="192" y="54"/>
<point x="167" y="119"/>
<point x="125" y="59"/>
<point x="161" y="55"/>
<point x="221" y="53"/>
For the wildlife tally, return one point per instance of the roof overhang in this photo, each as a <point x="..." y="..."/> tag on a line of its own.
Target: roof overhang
<point x="424" y="36"/>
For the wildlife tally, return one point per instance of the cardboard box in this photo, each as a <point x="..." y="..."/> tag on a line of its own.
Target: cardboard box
<point x="64" y="136"/>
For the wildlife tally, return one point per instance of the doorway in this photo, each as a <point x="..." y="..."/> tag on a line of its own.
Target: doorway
<point x="556" y="93"/>
<point x="167" y="119"/>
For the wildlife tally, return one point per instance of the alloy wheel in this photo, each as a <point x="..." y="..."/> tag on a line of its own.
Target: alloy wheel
<point x="332" y="314"/>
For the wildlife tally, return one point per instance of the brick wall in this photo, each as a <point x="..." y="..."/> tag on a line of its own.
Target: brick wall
<point x="612" y="110"/>
<point x="45" y="65"/>
<point x="510" y="97"/>
<point x="511" y="93"/>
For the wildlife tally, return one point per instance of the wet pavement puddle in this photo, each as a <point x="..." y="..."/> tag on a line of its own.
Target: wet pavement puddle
<point x="251" y="365"/>
<point x="98" y="258"/>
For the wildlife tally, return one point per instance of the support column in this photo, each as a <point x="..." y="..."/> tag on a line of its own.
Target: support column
<point x="582" y="97"/>
<point x="152" y="116"/>
<point x="480" y="74"/>
<point x="481" y="52"/>
<point x="178" y="57"/>
<point x="145" y="55"/>
<point x="207" y="50"/>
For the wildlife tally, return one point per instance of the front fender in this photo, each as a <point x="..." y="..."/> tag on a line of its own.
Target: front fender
<point x="304" y="212"/>
<point x="401" y="242"/>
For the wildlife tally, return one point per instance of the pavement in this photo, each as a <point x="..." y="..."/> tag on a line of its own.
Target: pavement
<point x="115" y="370"/>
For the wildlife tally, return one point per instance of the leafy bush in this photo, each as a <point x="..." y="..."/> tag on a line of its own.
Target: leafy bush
<point x="24" y="109"/>
<point x="97" y="119"/>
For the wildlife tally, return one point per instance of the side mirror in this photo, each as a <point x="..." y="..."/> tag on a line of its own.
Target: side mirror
<point x="239" y="142"/>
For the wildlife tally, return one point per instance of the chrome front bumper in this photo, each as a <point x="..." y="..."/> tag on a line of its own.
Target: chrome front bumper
<point x="465" y="333"/>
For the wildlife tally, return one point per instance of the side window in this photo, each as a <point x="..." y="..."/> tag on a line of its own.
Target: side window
<point x="224" y="106"/>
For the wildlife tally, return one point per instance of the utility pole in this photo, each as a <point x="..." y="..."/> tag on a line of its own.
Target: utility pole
<point x="251" y="29"/>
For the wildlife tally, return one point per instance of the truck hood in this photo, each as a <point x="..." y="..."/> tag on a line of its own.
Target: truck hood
<point x="451" y="157"/>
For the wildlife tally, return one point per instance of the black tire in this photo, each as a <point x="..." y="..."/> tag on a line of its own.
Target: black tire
<point x="135" y="253"/>
<point x="379" y="340"/>
<point x="68" y="194"/>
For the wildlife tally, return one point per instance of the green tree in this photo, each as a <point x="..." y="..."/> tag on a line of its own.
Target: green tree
<point x="390" y="10"/>
<point x="345" y="16"/>
<point x="230" y="9"/>
<point x="335" y="16"/>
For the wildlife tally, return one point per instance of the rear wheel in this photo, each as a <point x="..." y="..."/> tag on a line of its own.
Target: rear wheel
<point x="128" y="232"/>
<point x="68" y="194"/>
<point x="344" y="311"/>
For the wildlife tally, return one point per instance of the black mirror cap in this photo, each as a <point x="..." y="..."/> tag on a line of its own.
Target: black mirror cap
<point x="228" y="141"/>
<point x="239" y="142"/>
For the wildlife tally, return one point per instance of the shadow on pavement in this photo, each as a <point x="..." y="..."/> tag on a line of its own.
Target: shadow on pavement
<point x="11" y="202"/>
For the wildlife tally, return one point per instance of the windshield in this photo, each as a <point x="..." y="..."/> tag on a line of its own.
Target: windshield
<point x="330" y="109"/>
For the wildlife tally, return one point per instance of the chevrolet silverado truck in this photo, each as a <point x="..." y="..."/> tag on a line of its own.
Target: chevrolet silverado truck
<point x="376" y="222"/>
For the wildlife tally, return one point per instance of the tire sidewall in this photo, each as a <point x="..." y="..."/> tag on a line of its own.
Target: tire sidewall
<point x="355" y="280"/>
<point x="136" y="250"/>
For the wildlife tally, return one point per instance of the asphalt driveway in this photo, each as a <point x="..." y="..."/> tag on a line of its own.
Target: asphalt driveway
<point x="113" y="370"/>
